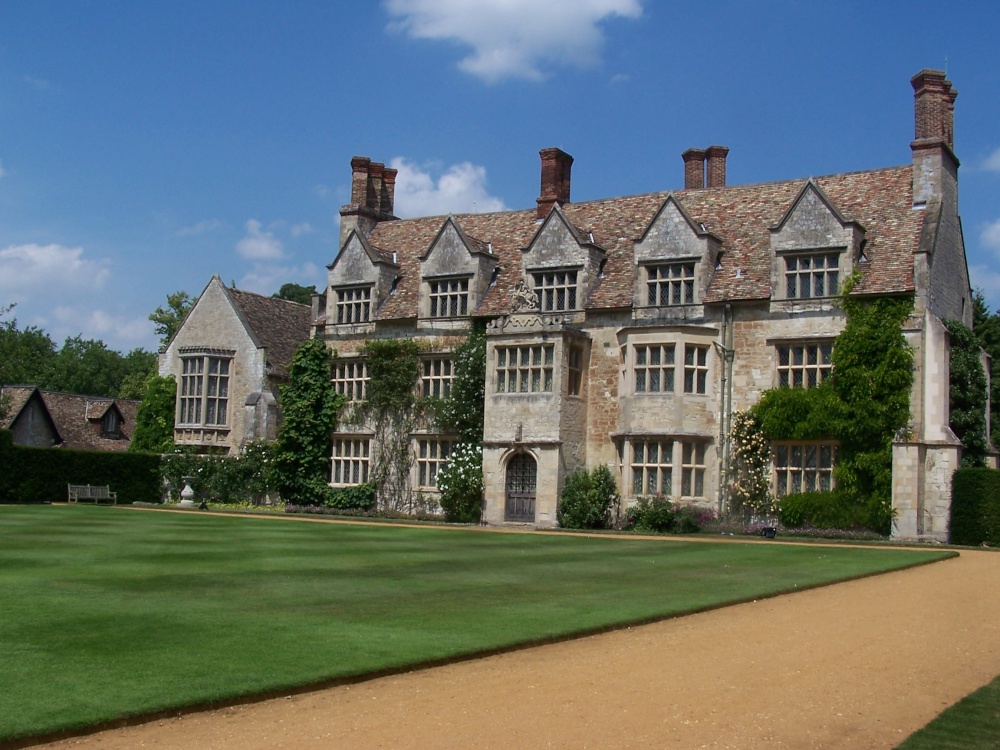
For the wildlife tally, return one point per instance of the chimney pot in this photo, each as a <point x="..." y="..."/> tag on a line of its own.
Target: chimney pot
<point x="388" y="190"/>
<point x="359" y="179"/>
<point x="694" y="168"/>
<point x="556" y="166"/>
<point x="933" y="107"/>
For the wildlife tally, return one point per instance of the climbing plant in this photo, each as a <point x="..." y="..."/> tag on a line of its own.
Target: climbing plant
<point x="154" y="419"/>
<point x="309" y="406"/>
<point x="462" y="411"/>
<point x="968" y="395"/>
<point x="863" y="404"/>
<point x="392" y="409"/>
<point x="751" y="483"/>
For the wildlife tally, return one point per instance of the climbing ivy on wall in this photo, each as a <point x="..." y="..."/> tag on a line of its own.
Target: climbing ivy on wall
<point x="392" y="409"/>
<point x="309" y="406"/>
<point x="968" y="394"/>
<point x="462" y="412"/>
<point x="862" y="405"/>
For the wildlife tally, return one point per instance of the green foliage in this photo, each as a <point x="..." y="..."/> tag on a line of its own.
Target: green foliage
<point x="40" y="475"/>
<point x="460" y="483"/>
<point x="821" y="510"/>
<point x="863" y="404"/>
<point x="975" y="507"/>
<point x="392" y="409"/>
<point x="168" y="319"/>
<point x="968" y="394"/>
<point x="986" y="327"/>
<point x="87" y="366"/>
<point x="463" y="411"/>
<point x="309" y="404"/>
<point x="359" y="497"/>
<point x="588" y="499"/>
<point x="296" y="293"/>
<point x="245" y="478"/>
<point x="154" y="419"/>
<point x="657" y="515"/>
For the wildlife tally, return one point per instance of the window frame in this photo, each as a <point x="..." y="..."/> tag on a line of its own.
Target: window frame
<point x="436" y="385"/>
<point x="431" y="455"/>
<point x="664" y="283"/>
<point x="347" y="307"/>
<point x="195" y="397"/>
<point x="809" y="374"/>
<point x="664" y="369"/>
<point x="355" y="462"/>
<point x="552" y="284"/>
<point x="574" y="367"/>
<point x="828" y="276"/>
<point x="783" y="472"/>
<point x="352" y="386"/>
<point x="449" y="302"/>
<point x="528" y="368"/>
<point x="660" y="471"/>
<point x="695" y="370"/>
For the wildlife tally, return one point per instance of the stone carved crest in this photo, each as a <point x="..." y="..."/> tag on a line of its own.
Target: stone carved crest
<point x="523" y="297"/>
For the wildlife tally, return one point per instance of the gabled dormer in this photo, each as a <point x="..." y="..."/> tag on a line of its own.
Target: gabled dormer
<point x="561" y="263"/>
<point x="359" y="281"/>
<point x="813" y="248"/>
<point x="454" y="273"/>
<point x="675" y="259"/>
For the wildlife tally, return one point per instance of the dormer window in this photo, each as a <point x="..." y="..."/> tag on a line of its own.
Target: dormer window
<point x="556" y="290"/>
<point x="449" y="298"/>
<point x="111" y="424"/>
<point x="354" y="304"/>
<point x="670" y="284"/>
<point x="809" y="275"/>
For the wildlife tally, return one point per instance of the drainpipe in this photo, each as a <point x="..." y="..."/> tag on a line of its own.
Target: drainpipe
<point x="726" y="404"/>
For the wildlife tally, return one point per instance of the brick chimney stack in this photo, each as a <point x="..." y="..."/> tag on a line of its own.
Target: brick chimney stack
<point x="373" y="191"/>
<point x="556" y="166"/>
<point x="694" y="168"/>
<point x="935" y="166"/>
<point x="934" y="107"/>
<point x="716" y="165"/>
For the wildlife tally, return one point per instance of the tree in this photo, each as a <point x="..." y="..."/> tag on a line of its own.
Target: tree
<point x="154" y="420"/>
<point x="88" y="366"/>
<point x="27" y="357"/>
<point x="967" y="394"/>
<point x="986" y="327"/>
<point x="296" y="293"/>
<point x="140" y="366"/>
<point x="310" y="405"/>
<point x="168" y="319"/>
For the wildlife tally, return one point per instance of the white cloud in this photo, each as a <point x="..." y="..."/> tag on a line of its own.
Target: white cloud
<point x="460" y="189"/>
<point x="202" y="227"/>
<point x="513" y="38"/>
<point x="267" y="278"/>
<point x="992" y="163"/>
<point x="259" y="244"/>
<point x="300" y="229"/>
<point x="990" y="236"/>
<point x="117" y="331"/>
<point x="49" y="267"/>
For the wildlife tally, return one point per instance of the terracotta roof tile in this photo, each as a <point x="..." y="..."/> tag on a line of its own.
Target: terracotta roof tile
<point x="741" y="216"/>
<point x="278" y="324"/>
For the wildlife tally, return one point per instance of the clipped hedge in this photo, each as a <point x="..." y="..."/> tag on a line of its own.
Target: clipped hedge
<point x="38" y="475"/>
<point x="820" y="510"/>
<point x="975" y="507"/>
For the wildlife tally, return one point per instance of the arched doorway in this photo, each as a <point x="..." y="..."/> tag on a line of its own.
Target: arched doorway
<point x="522" y="474"/>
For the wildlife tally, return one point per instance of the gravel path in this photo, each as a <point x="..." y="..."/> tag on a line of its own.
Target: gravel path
<point x="857" y="665"/>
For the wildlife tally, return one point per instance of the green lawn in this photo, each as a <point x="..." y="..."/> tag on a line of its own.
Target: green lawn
<point x="108" y="612"/>
<point x="971" y="724"/>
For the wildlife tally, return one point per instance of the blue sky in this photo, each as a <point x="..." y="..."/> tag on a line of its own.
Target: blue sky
<point x="145" y="146"/>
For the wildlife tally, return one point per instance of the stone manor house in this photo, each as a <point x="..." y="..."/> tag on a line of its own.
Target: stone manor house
<point x="626" y="331"/>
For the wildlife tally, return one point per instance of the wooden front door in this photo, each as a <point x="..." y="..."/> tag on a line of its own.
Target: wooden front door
<point x="522" y="473"/>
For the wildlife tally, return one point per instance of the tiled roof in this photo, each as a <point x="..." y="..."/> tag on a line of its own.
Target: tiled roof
<point x="18" y="395"/>
<point x="741" y="216"/>
<point x="77" y="418"/>
<point x="279" y="325"/>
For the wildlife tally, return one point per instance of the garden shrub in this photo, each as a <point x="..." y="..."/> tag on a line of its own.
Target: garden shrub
<point x="968" y="394"/>
<point x="460" y="483"/>
<point x="821" y="510"/>
<point x="358" y="497"/>
<point x="588" y="499"/>
<point x="658" y="515"/>
<point x="975" y="507"/>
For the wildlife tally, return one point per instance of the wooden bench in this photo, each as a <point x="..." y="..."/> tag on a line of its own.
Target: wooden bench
<point x="91" y="492"/>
